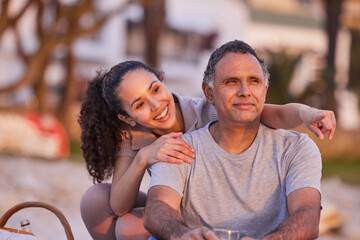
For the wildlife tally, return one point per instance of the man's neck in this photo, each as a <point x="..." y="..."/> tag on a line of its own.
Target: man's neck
<point x="234" y="139"/>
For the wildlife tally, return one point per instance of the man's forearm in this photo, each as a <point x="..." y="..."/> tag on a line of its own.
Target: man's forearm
<point x="302" y="225"/>
<point x="163" y="221"/>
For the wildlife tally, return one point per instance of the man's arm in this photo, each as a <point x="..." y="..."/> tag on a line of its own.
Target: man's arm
<point x="163" y="220"/>
<point x="304" y="215"/>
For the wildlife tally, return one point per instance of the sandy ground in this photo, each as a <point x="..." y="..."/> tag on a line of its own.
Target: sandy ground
<point x="62" y="183"/>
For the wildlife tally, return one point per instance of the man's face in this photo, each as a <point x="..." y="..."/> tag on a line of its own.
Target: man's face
<point x="239" y="89"/>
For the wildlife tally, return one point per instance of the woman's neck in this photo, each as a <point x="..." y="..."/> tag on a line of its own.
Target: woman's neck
<point x="179" y="125"/>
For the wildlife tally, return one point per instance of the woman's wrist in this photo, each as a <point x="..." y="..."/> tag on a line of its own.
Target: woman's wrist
<point x="141" y="159"/>
<point x="304" y="113"/>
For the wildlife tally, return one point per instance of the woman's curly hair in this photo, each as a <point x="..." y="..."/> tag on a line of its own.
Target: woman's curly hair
<point x="101" y="130"/>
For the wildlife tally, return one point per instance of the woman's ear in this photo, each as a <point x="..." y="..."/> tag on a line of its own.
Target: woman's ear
<point x="127" y="120"/>
<point x="208" y="91"/>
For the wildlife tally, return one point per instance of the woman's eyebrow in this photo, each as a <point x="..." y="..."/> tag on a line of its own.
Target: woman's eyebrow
<point x="137" y="99"/>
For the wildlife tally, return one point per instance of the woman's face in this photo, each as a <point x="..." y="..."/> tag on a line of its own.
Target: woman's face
<point x="147" y="101"/>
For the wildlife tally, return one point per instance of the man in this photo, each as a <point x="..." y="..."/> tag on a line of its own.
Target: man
<point x="262" y="182"/>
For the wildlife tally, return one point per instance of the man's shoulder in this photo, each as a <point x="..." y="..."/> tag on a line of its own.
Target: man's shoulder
<point x="200" y="133"/>
<point x="283" y="133"/>
<point x="287" y="137"/>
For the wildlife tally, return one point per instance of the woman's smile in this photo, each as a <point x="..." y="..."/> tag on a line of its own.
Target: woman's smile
<point x="163" y="115"/>
<point x="147" y="101"/>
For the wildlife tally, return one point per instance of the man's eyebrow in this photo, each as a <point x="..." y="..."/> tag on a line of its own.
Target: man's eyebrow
<point x="230" y="78"/>
<point x="261" y="78"/>
<point x="137" y="99"/>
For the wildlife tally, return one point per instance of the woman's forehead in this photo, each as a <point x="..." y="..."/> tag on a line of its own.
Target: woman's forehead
<point x="135" y="84"/>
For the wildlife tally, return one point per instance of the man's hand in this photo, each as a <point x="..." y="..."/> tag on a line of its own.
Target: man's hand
<point x="197" y="234"/>
<point x="319" y="122"/>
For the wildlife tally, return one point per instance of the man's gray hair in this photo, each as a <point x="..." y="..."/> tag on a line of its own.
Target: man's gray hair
<point x="233" y="46"/>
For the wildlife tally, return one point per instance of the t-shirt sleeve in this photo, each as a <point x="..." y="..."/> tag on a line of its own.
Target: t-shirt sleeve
<point x="169" y="174"/>
<point x="304" y="166"/>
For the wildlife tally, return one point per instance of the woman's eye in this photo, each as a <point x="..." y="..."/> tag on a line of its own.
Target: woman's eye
<point x="139" y="105"/>
<point x="156" y="89"/>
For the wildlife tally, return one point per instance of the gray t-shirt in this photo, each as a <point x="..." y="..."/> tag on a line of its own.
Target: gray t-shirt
<point x="246" y="191"/>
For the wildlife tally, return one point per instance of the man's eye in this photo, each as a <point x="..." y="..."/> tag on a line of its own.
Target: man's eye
<point x="139" y="105"/>
<point x="230" y="81"/>
<point x="255" y="80"/>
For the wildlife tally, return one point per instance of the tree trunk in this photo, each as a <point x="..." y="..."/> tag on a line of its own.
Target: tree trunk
<point x="354" y="70"/>
<point x="68" y="98"/>
<point x="41" y="88"/>
<point x="333" y="11"/>
<point x="154" y="19"/>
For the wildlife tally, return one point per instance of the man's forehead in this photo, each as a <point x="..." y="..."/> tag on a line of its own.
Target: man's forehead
<point x="236" y="61"/>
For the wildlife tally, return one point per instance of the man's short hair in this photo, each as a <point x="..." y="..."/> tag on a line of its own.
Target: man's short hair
<point x="236" y="46"/>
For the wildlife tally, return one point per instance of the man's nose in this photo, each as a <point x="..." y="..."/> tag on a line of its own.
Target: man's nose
<point x="243" y="90"/>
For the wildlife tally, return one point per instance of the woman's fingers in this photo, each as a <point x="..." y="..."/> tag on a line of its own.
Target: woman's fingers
<point x="172" y="138"/>
<point x="316" y="130"/>
<point x="322" y="123"/>
<point x="176" y="150"/>
<point x="328" y="124"/>
<point x="172" y="135"/>
<point x="333" y="120"/>
<point x="171" y="155"/>
<point x="169" y="149"/>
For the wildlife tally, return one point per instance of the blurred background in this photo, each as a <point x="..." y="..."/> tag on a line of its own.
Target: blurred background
<point x="49" y="49"/>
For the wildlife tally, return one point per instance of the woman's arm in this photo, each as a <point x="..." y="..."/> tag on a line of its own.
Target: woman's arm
<point x="128" y="171"/>
<point x="127" y="176"/>
<point x="292" y="115"/>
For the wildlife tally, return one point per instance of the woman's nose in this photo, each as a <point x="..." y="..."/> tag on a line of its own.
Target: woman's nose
<point x="154" y="103"/>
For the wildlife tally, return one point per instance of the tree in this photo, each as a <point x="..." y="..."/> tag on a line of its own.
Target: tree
<point x="351" y="19"/>
<point x="333" y="11"/>
<point x="58" y="25"/>
<point x="154" y="21"/>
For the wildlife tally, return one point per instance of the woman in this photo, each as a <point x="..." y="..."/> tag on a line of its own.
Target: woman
<point x="130" y="120"/>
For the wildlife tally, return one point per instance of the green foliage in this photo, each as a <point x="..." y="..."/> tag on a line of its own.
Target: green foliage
<point x="281" y="67"/>
<point x="347" y="170"/>
<point x="75" y="151"/>
<point x="354" y="70"/>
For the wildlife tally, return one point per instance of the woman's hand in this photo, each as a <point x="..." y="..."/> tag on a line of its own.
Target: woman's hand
<point x="168" y="148"/>
<point x="319" y="122"/>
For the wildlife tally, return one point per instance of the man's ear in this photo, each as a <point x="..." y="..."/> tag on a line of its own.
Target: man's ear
<point x="127" y="120"/>
<point x="208" y="91"/>
<point x="266" y="90"/>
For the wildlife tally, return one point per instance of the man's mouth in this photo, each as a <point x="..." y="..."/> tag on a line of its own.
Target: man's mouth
<point x="244" y="105"/>
<point x="163" y="114"/>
